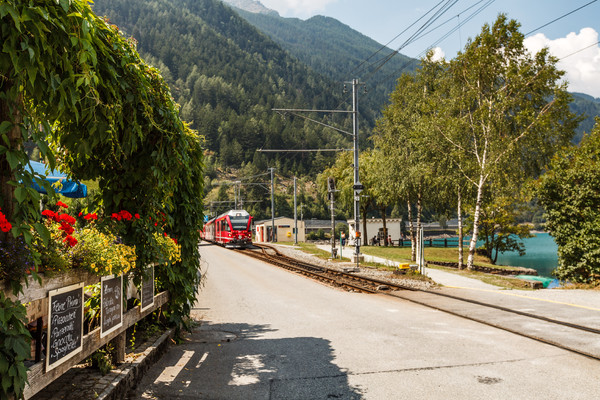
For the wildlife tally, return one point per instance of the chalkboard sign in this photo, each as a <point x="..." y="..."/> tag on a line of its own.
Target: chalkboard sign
<point x="65" y="324"/>
<point x="148" y="288"/>
<point x="111" y="295"/>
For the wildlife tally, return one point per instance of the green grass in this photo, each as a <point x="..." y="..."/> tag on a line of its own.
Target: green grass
<point x="441" y="254"/>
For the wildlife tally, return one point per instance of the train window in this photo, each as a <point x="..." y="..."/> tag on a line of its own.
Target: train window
<point x="239" y="223"/>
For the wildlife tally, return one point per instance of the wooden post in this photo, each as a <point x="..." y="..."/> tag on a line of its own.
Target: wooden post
<point x="119" y="344"/>
<point x="38" y="339"/>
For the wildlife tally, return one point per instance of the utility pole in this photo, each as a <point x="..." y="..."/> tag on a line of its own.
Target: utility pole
<point x="236" y="189"/>
<point x="295" y="215"/>
<point x="273" y="237"/>
<point x="331" y="190"/>
<point x="358" y="187"/>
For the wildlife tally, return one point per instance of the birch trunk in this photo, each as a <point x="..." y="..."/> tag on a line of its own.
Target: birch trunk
<point x="419" y="225"/>
<point x="476" y="216"/>
<point x="365" y="237"/>
<point x="460" y="231"/>
<point x="385" y="234"/>
<point x="413" y="236"/>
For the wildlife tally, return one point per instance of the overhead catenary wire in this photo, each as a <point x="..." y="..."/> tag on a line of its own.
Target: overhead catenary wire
<point x="527" y="34"/>
<point x="559" y="18"/>
<point x="443" y="6"/>
<point x="381" y="62"/>
<point x="396" y="37"/>
<point x="446" y="35"/>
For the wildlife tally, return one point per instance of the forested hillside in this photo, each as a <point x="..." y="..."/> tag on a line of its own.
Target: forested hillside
<point x="588" y="106"/>
<point x="338" y="52"/>
<point x="227" y="76"/>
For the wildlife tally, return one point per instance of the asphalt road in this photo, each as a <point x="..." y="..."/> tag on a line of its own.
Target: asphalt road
<point x="266" y="333"/>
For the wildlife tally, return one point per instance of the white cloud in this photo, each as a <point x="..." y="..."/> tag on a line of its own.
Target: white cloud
<point x="438" y="54"/>
<point x="297" y="8"/>
<point x="582" y="67"/>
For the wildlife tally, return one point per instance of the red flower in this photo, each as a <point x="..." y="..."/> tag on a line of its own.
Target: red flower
<point x="91" y="216"/>
<point x="126" y="215"/>
<point x="66" y="218"/>
<point x="70" y="240"/>
<point x="165" y="233"/>
<point x="68" y="229"/>
<point x="137" y="216"/>
<point x="5" y="226"/>
<point x="116" y="216"/>
<point x="175" y="240"/>
<point x="61" y="204"/>
<point x="51" y="215"/>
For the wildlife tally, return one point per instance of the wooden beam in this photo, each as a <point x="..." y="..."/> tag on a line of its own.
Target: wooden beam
<point x="91" y="342"/>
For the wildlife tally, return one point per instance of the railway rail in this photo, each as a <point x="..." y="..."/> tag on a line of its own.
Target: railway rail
<point x="572" y="336"/>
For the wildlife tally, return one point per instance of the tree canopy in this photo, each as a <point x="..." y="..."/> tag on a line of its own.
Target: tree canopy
<point x="570" y="193"/>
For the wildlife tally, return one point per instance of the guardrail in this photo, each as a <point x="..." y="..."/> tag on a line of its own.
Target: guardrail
<point x="438" y="242"/>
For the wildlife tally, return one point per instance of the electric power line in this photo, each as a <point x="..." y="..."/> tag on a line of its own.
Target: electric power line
<point x="559" y="18"/>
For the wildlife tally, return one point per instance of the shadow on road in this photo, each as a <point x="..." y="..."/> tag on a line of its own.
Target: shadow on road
<point x="241" y="361"/>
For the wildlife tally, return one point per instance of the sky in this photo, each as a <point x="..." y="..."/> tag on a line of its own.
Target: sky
<point x="573" y="38"/>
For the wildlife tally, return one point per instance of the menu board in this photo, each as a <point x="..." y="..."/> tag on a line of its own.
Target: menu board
<point x="148" y="288"/>
<point x="111" y="295"/>
<point x="65" y="324"/>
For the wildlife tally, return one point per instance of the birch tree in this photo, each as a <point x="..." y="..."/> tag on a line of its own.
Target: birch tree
<point x="513" y="112"/>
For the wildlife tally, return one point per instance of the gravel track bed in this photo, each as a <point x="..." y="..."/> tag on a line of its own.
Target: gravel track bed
<point x="367" y="272"/>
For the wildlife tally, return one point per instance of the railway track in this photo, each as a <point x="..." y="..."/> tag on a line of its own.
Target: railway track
<point x="328" y="275"/>
<point x="568" y="335"/>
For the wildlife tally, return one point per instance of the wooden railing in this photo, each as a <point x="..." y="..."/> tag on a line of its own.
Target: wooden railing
<point x="36" y="300"/>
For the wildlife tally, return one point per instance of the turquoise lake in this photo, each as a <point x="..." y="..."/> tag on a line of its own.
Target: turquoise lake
<point x="541" y="255"/>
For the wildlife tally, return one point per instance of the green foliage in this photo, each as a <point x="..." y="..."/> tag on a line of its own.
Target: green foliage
<point x="499" y="230"/>
<point x="71" y="79"/>
<point x="102" y="359"/>
<point x="15" y="259"/>
<point x="14" y="348"/>
<point x="570" y="193"/>
<point x="92" y="306"/>
<point x="318" y="235"/>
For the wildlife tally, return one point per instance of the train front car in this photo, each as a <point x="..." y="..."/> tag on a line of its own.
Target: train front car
<point x="240" y="226"/>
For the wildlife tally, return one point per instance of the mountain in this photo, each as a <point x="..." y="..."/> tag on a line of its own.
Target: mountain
<point x="335" y="50"/>
<point x="589" y="107"/>
<point x="227" y="76"/>
<point x="252" y="6"/>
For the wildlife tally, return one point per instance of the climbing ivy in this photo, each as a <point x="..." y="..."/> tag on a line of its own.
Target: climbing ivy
<point x="71" y="83"/>
<point x="14" y="348"/>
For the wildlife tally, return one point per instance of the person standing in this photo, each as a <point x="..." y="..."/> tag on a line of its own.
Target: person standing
<point x="343" y="239"/>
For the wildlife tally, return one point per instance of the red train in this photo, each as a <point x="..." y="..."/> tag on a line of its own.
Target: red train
<point x="231" y="229"/>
